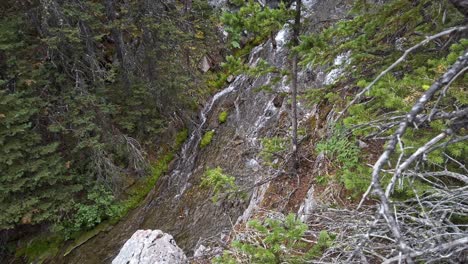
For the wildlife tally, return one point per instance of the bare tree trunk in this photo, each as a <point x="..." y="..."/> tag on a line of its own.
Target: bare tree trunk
<point x="119" y="44"/>
<point x="273" y="40"/>
<point x="295" y="42"/>
<point x="187" y="6"/>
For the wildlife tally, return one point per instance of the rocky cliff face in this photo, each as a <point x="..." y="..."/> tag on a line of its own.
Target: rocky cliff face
<point x="178" y="205"/>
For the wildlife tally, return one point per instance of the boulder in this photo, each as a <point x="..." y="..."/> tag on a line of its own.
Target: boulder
<point x="308" y="206"/>
<point x="205" y="64"/>
<point x="207" y="253"/>
<point x="150" y="247"/>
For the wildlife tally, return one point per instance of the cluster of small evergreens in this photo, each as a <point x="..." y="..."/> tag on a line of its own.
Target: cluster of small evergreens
<point x="87" y="89"/>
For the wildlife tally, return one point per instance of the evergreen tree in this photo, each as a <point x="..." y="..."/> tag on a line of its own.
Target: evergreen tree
<point x="35" y="185"/>
<point x="294" y="73"/>
<point x="82" y="83"/>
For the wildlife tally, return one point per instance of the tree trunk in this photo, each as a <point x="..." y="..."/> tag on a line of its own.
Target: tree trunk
<point x="119" y="44"/>
<point x="295" y="42"/>
<point x="187" y="6"/>
<point x="273" y="40"/>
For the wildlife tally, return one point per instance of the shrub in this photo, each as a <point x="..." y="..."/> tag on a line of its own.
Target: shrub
<point x="254" y="19"/>
<point x="352" y="173"/>
<point x="275" y="241"/>
<point x="324" y="241"/>
<point x="180" y="138"/>
<point x="206" y="139"/>
<point x="219" y="182"/>
<point x="272" y="148"/>
<point x="339" y="147"/>
<point x="222" y="117"/>
<point x="101" y="206"/>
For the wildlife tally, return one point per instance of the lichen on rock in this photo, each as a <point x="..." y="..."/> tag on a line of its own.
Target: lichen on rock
<point x="149" y="247"/>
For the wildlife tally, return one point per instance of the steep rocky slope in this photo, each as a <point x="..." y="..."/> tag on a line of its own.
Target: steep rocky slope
<point x="178" y="205"/>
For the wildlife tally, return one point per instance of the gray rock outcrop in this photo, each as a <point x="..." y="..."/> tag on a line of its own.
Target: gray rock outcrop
<point x="150" y="247"/>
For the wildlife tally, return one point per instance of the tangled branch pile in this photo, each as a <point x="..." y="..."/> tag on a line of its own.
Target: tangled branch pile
<point x="430" y="224"/>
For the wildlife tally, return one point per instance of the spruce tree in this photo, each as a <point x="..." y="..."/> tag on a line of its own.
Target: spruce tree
<point x="34" y="181"/>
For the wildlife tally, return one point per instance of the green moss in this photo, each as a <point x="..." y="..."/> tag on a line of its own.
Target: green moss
<point x="139" y="191"/>
<point x="206" y="139"/>
<point x="42" y="247"/>
<point x="180" y="138"/>
<point x="38" y="249"/>
<point x="222" y="117"/>
<point x="84" y="237"/>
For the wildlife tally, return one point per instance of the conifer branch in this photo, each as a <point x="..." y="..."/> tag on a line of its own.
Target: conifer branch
<point x="397" y="62"/>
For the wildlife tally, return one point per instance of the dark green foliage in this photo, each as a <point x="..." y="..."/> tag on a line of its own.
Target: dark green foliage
<point x="404" y="90"/>
<point x="259" y="22"/>
<point x="372" y="37"/>
<point x="372" y="33"/>
<point x="99" y="212"/>
<point x="222" y="117"/>
<point x="273" y="149"/>
<point x="375" y="37"/>
<point x="345" y="157"/>
<point x="35" y="184"/>
<point x="275" y="241"/>
<point x="251" y="25"/>
<point x="137" y="115"/>
<point x="85" y="88"/>
<point x="99" y="206"/>
<point x="219" y="182"/>
<point x="235" y="65"/>
<point x="206" y="139"/>
<point x="325" y="240"/>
